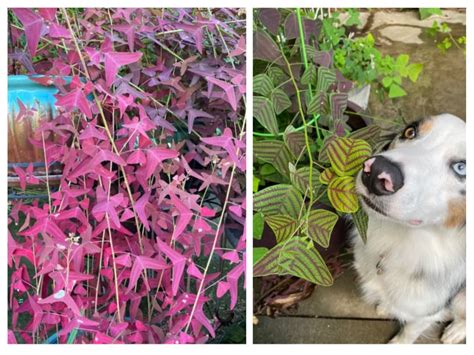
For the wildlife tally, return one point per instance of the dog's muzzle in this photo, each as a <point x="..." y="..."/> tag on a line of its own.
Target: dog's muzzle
<point x="381" y="176"/>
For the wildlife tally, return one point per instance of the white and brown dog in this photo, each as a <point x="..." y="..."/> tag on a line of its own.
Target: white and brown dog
<point x="413" y="265"/>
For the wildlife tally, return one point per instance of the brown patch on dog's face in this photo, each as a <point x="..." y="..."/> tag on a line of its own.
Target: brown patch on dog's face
<point x="456" y="213"/>
<point x="425" y="126"/>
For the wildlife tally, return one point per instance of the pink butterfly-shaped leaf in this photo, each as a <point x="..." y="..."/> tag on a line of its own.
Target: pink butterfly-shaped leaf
<point x="184" y="216"/>
<point x="113" y="62"/>
<point x="141" y="263"/>
<point x="58" y="31"/>
<point x="33" y="25"/>
<point x="75" y="99"/>
<point x="140" y="206"/>
<point x="228" y="89"/>
<point x="178" y="261"/>
<point x="233" y="279"/>
<point x="222" y="288"/>
<point x="155" y="156"/>
<point x="62" y="296"/>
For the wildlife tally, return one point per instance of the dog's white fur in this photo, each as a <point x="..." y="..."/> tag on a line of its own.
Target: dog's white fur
<point x="412" y="266"/>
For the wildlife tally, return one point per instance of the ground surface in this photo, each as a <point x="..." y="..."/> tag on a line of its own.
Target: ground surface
<point x="335" y="315"/>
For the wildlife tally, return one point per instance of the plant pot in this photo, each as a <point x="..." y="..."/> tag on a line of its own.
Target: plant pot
<point x="39" y="102"/>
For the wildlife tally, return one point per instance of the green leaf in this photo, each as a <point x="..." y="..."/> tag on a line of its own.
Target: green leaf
<point x="295" y="141"/>
<point x="341" y="193"/>
<point x="429" y="11"/>
<point x="262" y="84"/>
<point x="347" y="155"/>
<point x="258" y="253"/>
<point x="318" y="104"/>
<point x="361" y="221"/>
<point x="300" y="179"/>
<point x="326" y="176"/>
<point x="297" y="258"/>
<point x="277" y="75"/>
<point x="278" y="199"/>
<point x="319" y="226"/>
<point x="396" y="91"/>
<point x="282" y="225"/>
<point x="323" y="153"/>
<point x="275" y="153"/>
<point x="326" y="77"/>
<point x="267" y="169"/>
<point x="402" y="60"/>
<point x="258" y="224"/>
<point x="256" y="182"/>
<point x="387" y="81"/>
<point x="280" y="100"/>
<point x="264" y="113"/>
<point x="414" y="71"/>
<point x="370" y="134"/>
<point x="309" y="75"/>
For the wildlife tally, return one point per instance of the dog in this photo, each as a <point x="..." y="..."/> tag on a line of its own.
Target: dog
<point x="413" y="264"/>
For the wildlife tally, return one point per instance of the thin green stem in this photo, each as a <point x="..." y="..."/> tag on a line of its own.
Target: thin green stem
<point x="282" y="134"/>
<point x="305" y="59"/>
<point x="306" y="135"/>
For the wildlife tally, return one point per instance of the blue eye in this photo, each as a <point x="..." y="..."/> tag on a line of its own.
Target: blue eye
<point x="459" y="168"/>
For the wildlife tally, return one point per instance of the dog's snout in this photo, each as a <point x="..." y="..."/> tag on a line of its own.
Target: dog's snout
<point x="382" y="176"/>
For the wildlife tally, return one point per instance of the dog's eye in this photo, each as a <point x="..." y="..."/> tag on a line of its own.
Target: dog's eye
<point x="409" y="132"/>
<point x="459" y="168"/>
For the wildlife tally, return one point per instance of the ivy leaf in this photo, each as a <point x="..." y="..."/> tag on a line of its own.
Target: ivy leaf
<point x="115" y="60"/>
<point x="341" y="193"/>
<point x="278" y="199"/>
<point x="33" y="25"/>
<point x="264" y="114"/>
<point x="319" y="226"/>
<point x="75" y="99"/>
<point x="282" y="225"/>
<point x="262" y="84"/>
<point x="275" y="153"/>
<point x="347" y="155"/>
<point x="280" y="101"/>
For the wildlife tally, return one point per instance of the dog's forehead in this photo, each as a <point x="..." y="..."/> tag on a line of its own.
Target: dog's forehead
<point x="444" y="125"/>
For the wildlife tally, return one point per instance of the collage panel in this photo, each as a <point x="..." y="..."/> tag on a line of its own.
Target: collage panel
<point x="126" y="175"/>
<point x="359" y="175"/>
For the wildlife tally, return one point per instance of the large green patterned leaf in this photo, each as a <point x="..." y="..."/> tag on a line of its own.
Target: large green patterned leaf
<point x="370" y="134"/>
<point x="341" y="193"/>
<point x="265" y="48"/>
<point x="295" y="140"/>
<point x="361" y="221"/>
<point x="318" y="104"/>
<point x="323" y="153"/>
<point x="309" y="75"/>
<point x="326" y="77"/>
<point x="264" y="113"/>
<point x="319" y="226"/>
<point x="275" y="153"/>
<point x="347" y="155"/>
<point x="296" y="257"/>
<point x="278" y="199"/>
<point x="280" y="100"/>
<point x="277" y="75"/>
<point x="282" y="225"/>
<point x="326" y="176"/>
<point x="300" y="179"/>
<point x="338" y="104"/>
<point x="262" y="84"/>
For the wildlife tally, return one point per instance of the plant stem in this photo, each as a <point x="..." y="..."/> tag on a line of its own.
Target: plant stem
<point x="305" y="59"/>
<point x="282" y="134"/>
<point x="306" y="135"/>
<point x="107" y="130"/>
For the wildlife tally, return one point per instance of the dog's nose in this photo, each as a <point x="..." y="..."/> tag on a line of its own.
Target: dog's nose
<point x="382" y="176"/>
